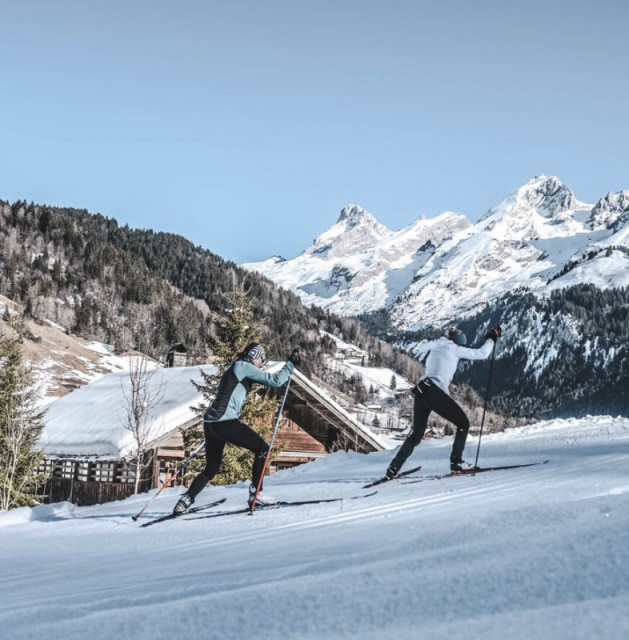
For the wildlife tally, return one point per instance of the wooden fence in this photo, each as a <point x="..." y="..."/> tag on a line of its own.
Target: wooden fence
<point x="83" y="493"/>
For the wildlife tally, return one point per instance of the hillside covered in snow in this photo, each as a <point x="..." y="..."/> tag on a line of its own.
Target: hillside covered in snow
<point x="539" y="551"/>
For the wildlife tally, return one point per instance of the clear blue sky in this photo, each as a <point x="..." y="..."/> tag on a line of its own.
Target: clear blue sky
<point x="246" y="125"/>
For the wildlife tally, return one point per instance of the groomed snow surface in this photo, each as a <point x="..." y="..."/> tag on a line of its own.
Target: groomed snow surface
<point x="539" y="552"/>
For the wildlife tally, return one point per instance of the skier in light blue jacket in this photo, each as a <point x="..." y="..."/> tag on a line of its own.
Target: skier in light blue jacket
<point x="222" y="424"/>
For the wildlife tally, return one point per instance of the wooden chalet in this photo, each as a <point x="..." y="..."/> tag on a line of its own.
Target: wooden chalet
<point x="90" y="456"/>
<point x="316" y="425"/>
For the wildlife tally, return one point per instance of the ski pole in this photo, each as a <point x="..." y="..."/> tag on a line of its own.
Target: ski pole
<point x="171" y="477"/>
<point x="268" y="455"/>
<point x="482" y="422"/>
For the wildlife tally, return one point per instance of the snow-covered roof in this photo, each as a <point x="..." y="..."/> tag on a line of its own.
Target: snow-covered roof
<point x="90" y="421"/>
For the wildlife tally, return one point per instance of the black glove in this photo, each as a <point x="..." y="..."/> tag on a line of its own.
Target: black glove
<point x="295" y="357"/>
<point x="495" y="333"/>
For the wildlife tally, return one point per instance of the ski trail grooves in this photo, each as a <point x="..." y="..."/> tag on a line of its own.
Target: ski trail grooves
<point x="375" y="511"/>
<point x="402" y="505"/>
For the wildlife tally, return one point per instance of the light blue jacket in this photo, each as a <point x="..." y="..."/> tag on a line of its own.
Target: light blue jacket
<point x="235" y="385"/>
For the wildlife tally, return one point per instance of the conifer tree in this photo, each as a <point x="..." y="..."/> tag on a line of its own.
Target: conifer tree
<point x="21" y="425"/>
<point x="234" y="331"/>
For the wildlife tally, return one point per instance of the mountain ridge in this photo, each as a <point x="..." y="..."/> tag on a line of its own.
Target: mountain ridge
<point x="439" y="269"/>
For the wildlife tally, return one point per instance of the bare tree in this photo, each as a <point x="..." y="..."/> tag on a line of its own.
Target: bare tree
<point x="140" y="401"/>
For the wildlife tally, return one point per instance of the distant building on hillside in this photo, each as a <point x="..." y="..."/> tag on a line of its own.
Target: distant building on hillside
<point x="90" y="455"/>
<point x="348" y="351"/>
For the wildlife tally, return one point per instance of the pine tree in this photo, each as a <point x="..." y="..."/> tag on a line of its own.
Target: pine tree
<point x="234" y="331"/>
<point x="21" y="425"/>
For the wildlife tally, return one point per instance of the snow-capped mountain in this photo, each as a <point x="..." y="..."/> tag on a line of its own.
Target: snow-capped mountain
<point x="541" y="238"/>
<point x="359" y="264"/>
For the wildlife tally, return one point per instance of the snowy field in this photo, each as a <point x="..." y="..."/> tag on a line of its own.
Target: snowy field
<point x="539" y="552"/>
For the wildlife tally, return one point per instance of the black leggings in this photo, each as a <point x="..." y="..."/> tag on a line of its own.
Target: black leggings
<point x="429" y="397"/>
<point x="217" y="435"/>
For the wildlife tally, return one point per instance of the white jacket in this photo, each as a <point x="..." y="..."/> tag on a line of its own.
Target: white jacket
<point x="444" y="357"/>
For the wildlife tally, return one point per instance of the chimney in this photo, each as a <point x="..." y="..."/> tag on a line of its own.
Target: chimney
<point x="177" y="356"/>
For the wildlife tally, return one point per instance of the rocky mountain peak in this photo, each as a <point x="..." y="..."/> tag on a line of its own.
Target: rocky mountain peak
<point x="610" y="211"/>
<point x="548" y="195"/>
<point x="354" y="214"/>
<point x="355" y="230"/>
<point x="444" y="267"/>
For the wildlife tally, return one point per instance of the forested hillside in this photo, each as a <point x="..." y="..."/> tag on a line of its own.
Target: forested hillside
<point x="134" y="288"/>
<point x="565" y="355"/>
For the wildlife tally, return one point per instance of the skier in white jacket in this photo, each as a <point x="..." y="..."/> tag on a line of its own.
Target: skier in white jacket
<point x="432" y="394"/>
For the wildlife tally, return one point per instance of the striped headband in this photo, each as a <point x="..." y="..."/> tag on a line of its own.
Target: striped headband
<point x="256" y="352"/>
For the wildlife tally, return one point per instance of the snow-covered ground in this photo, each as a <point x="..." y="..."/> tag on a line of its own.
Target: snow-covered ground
<point x="539" y="552"/>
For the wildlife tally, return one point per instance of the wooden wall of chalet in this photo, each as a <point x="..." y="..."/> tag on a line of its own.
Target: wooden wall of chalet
<point x="292" y="437"/>
<point x="295" y="446"/>
<point x="317" y="427"/>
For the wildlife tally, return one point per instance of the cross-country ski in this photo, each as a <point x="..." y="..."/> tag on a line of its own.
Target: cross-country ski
<point x="279" y="505"/>
<point x="403" y="474"/>
<point x="473" y="471"/>
<point x="172" y="516"/>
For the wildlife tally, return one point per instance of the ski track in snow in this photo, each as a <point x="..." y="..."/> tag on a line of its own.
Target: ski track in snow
<point x="531" y="552"/>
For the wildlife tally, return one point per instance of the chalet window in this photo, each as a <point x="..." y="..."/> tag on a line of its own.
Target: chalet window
<point x="104" y="472"/>
<point x="47" y="466"/>
<point x="126" y="474"/>
<point x="67" y="469"/>
<point x="166" y="467"/>
<point x="83" y="471"/>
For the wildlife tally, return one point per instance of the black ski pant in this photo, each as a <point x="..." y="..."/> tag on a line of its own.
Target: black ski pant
<point x="429" y="397"/>
<point x="217" y="435"/>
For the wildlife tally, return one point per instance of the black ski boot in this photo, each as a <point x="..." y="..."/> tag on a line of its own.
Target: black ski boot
<point x="391" y="472"/>
<point x="185" y="502"/>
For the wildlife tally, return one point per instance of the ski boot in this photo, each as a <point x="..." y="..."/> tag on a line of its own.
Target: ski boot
<point x="460" y="466"/>
<point x="183" y="505"/>
<point x="391" y="472"/>
<point x="263" y="500"/>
